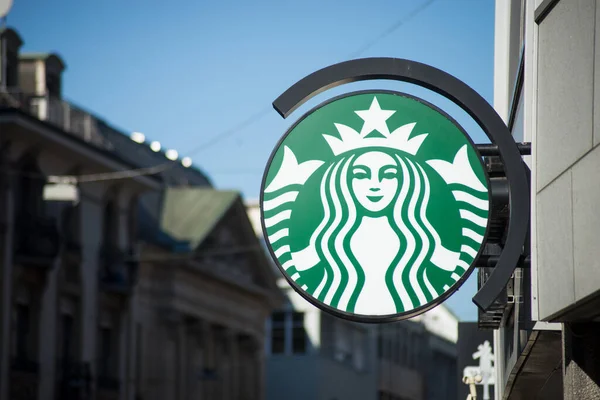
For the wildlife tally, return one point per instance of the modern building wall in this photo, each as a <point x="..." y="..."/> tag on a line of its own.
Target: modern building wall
<point x="417" y="358"/>
<point x="550" y="102"/>
<point x="568" y="160"/>
<point x="313" y="355"/>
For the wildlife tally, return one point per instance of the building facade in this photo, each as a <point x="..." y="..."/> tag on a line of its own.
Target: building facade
<point x="545" y="80"/>
<point x="117" y="282"/>
<point x="204" y="292"/>
<point x="313" y="355"/>
<point x="417" y="359"/>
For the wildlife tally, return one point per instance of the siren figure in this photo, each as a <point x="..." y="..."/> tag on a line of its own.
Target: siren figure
<point x="375" y="245"/>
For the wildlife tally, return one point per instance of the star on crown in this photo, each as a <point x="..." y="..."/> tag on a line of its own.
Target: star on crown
<point x="375" y="120"/>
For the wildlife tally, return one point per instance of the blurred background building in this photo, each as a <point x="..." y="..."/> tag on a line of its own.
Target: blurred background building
<point x="312" y="355"/>
<point x="125" y="274"/>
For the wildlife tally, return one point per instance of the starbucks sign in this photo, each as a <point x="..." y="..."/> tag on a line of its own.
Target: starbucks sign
<point x="375" y="206"/>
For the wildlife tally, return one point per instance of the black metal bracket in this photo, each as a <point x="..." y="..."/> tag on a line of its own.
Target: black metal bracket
<point x="487" y="150"/>
<point x="486" y="261"/>
<point x="473" y="104"/>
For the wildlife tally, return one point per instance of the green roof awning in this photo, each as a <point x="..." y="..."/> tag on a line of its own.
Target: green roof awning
<point x="190" y="214"/>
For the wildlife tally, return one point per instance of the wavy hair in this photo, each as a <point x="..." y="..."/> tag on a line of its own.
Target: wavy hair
<point x="406" y="278"/>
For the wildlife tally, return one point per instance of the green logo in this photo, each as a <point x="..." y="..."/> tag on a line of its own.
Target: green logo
<point x="375" y="204"/>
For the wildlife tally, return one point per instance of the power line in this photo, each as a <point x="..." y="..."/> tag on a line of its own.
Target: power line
<point x="229" y="132"/>
<point x="126" y="174"/>
<point x="392" y="28"/>
<point x="86" y="178"/>
<point x="255" y="117"/>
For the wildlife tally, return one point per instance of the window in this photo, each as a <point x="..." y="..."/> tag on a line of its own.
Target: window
<point x="30" y="203"/>
<point x="138" y="358"/>
<point x="278" y="333"/>
<point x="410" y="353"/>
<point x="516" y="38"/>
<point x="22" y="331"/>
<point x="397" y="339"/>
<point x="404" y="349"/>
<point x="67" y="337"/>
<point x="298" y="334"/>
<point x="343" y="342"/>
<point x="359" y="350"/>
<point x="288" y="335"/>
<point x="418" y="352"/>
<point x="12" y="69"/>
<point x="133" y="223"/>
<point x="104" y="352"/>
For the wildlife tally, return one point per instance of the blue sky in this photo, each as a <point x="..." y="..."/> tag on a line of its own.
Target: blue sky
<point x="184" y="72"/>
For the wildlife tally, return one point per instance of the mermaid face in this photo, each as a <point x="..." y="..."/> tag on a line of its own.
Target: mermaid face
<point x="374" y="180"/>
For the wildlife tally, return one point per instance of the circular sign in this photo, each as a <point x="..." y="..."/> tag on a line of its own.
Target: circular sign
<point x="375" y="206"/>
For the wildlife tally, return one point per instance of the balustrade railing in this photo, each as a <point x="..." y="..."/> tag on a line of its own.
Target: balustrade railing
<point x="59" y="113"/>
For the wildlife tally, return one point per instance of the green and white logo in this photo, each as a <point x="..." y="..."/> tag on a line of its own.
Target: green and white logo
<point x="375" y="204"/>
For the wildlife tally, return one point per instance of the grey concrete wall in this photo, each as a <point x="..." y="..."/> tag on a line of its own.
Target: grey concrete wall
<point x="292" y="377"/>
<point x="317" y="377"/>
<point x="567" y="157"/>
<point x="342" y="382"/>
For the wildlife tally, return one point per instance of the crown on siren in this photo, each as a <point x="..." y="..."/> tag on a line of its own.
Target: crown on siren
<point x="375" y="120"/>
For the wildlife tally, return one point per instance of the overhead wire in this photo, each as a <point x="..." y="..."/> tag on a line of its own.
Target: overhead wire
<point x="163" y="167"/>
<point x="260" y="114"/>
<point x="392" y="28"/>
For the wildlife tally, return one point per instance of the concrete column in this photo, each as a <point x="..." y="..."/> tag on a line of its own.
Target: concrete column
<point x="194" y="364"/>
<point x="252" y="375"/>
<point x="581" y="355"/>
<point x="255" y="368"/>
<point x="47" y="334"/>
<point x="243" y="369"/>
<point x="155" y="357"/>
<point x="234" y="365"/>
<point x="259" y="360"/>
<point x="167" y="370"/>
<point x="289" y="328"/>
<point x="90" y="235"/>
<point x="209" y="363"/>
<point x="182" y="361"/>
<point x="125" y="345"/>
<point x="131" y="350"/>
<point x="220" y="363"/>
<point x="7" y="287"/>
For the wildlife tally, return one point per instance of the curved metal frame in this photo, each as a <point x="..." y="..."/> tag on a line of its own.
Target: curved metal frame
<point x="473" y="104"/>
<point x="375" y="318"/>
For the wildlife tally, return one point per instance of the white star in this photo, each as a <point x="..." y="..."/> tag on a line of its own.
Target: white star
<point x="375" y="119"/>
